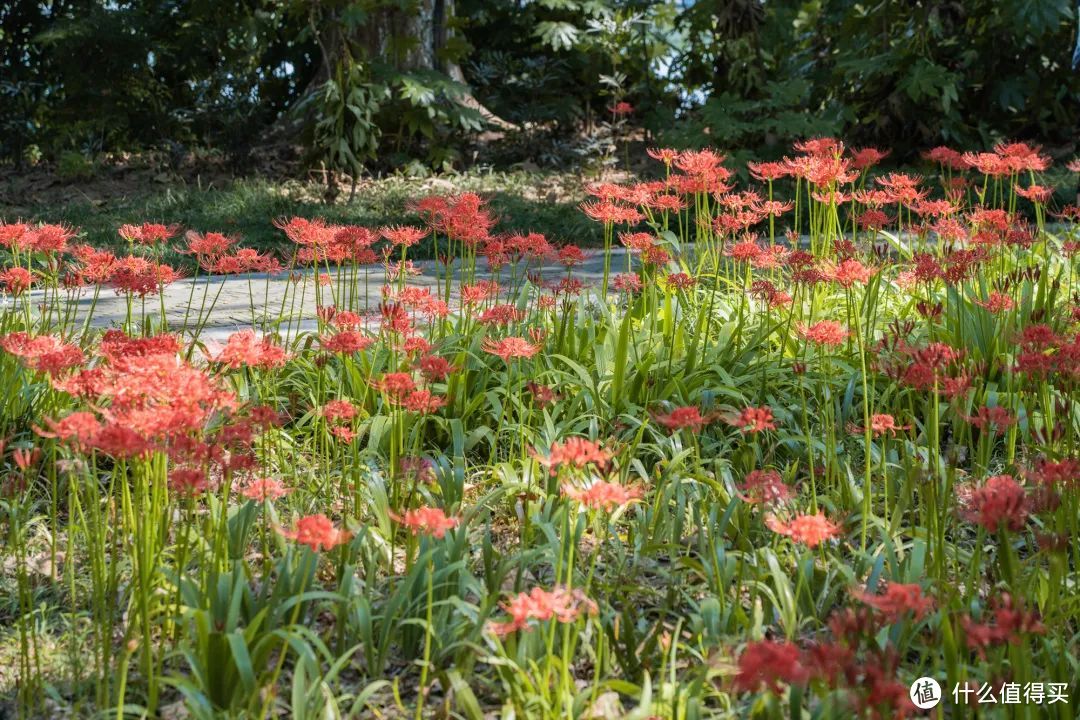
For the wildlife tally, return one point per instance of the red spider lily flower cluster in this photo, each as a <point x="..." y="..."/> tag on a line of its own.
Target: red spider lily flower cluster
<point x="1000" y="502"/>
<point x="827" y="333"/>
<point x="753" y="420"/>
<point x="765" y="487"/>
<point x="687" y="417"/>
<point x="317" y="532"/>
<point x="263" y="489"/>
<point x="768" y="664"/>
<point x="16" y="280"/>
<point x="43" y="238"/>
<point x="510" y="347"/>
<point x="1006" y="623"/>
<point x="149" y="400"/>
<point x="148" y="233"/>
<point x="539" y="605"/>
<point x="898" y="601"/>
<point x="602" y="495"/>
<point x="575" y="453"/>
<point x="427" y="521"/>
<point x="246" y="349"/>
<point x="809" y="530"/>
<point x="43" y="353"/>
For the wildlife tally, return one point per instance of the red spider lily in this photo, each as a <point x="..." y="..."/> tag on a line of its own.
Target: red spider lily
<point x="574" y="452"/>
<point x="925" y="367"/>
<point x="395" y="386"/>
<point x="1000" y="502"/>
<point x="611" y="213"/>
<point x="427" y="521"/>
<point x="810" y="530"/>
<point x="570" y="255"/>
<point x="502" y="314"/>
<point x="77" y="429"/>
<point x="510" y="347"/>
<point x="753" y="420"/>
<point x="768" y="663"/>
<point x="435" y="368"/>
<point x="16" y="280"/>
<point x="559" y="604"/>
<point x="1035" y="193"/>
<point x="679" y="281"/>
<point x="26" y="458"/>
<point x="744" y="251"/>
<point x="664" y="155"/>
<point x="415" y="345"/>
<point x="43" y="353"/>
<point x="403" y="235"/>
<point x="628" y="283"/>
<point x="767" y="171"/>
<point x="151" y="400"/>
<point x="49" y="238"/>
<point x="774" y="298"/>
<point x="765" y="487"/>
<point x="602" y="495"/>
<point x="423" y="402"/>
<point x="115" y="345"/>
<point x="655" y="256"/>
<point x="820" y="146"/>
<point x="317" y="532"/>
<point x="996" y="418"/>
<point x="12" y="234"/>
<point x="139" y="276"/>
<point x="947" y="157"/>
<point x="1021" y="157"/>
<point x="702" y="163"/>
<point x="873" y="220"/>
<point x="997" y="302"/>
<point x="208" y="245"/>
<point x="463" y="218"/>
<point x="264" y="489"/>
<point x="338" y="411"/>
<point x="898" y="601"/>
<point x="188" y="482"/>
<point x="667" y="203"/>
<point x="246" y="349"/>
<point x="1060" y="474"/>
<point x="148" y="233"/>
<point x="622" y="108"/>
<point x="851" y="272"/>
<point x="775" y="208"/>
<point x="637" y="241"/>
<point x="686" y="417"/>
<point x="395" y="319"/>
<point x="867" y="157"/>
<point x="827" y="333"/>
<point x="1009" y="623"/>
<point x="346" y="342"/>
<point x="883" y="424"/>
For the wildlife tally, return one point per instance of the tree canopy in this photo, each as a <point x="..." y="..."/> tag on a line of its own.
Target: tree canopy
<point x="383" y="82"/>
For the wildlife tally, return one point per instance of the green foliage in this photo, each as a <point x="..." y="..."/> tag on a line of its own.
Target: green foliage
<point x="345" y="133"/>
<point x="899" y="75"/>
<point x="385" y="83"/>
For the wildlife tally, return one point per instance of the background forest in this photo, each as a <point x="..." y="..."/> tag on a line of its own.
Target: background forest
<point x="381" y="85"/>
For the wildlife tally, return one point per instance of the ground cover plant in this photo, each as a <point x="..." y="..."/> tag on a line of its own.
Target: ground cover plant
<point x="780" y="459"/>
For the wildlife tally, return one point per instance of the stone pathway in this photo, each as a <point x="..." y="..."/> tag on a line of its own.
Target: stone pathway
<point x="232" y="297"/>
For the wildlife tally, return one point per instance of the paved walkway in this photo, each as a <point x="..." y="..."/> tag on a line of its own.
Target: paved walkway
<point x="232" y="297"/>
